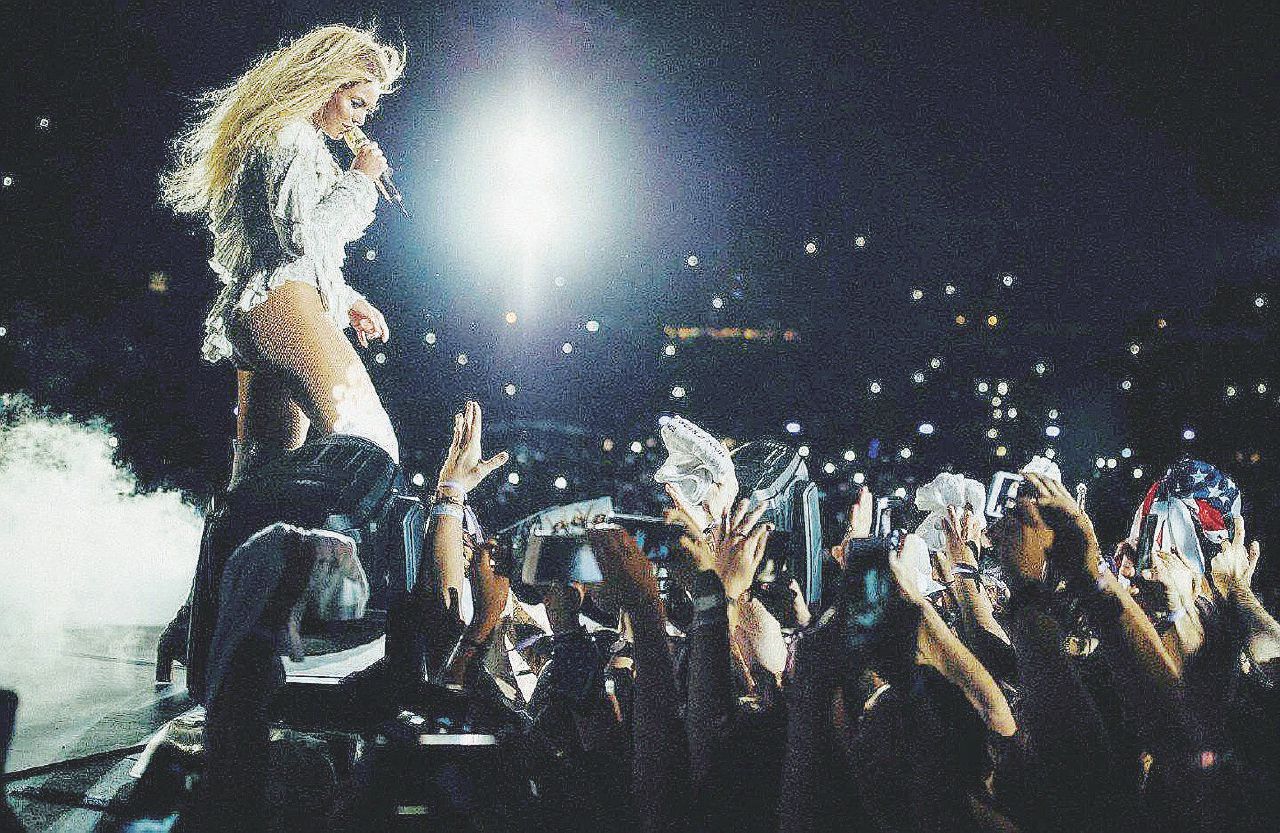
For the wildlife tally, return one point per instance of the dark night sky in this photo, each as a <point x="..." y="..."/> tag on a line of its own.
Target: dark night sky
<point x="1122" y="164"/>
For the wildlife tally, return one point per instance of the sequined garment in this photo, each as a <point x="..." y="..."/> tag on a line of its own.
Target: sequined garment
<point x="294" y="213"/>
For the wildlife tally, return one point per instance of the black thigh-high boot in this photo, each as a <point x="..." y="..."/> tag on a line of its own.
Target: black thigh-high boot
<point x="259" y="591"/>
<point x="237" y="735"/>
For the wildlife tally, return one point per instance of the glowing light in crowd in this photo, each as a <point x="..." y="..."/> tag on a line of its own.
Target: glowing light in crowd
<point x="949" y="289"/>
<point x="1053" y="413"/>
<point x="996" y="413"/>
<point x="1126" y="384"/>
<point x="803" y="451"/>
<point x="678" y="392"/>
<point x="793" y="427"/>
<point x="1052" y="431"/>
<point x="636" y="447"/>
<point x="1137" y="473"/>
<point x="511" y="317"/>
<point x="900" y="492"/>
<point x="850" y="456"/>
<point x="593" y="326"/>
<point x="935" y="363"/>
<point x="561" y="483"/>
<point x="717" y="302"/>
<point x="1135" y="348"/>
<point x="1126" y="452"/>
<point x="1002" y="388"/>
<point x="371" y="254"/>
<point x="514" y="478"/>
<point x="509" y="389"/>
<point x="691" y="261"/>
<point x="462" y="358"/>
<point x="566" y="348"/>
<point x="669" y="350"/>
<point x="1049" y="453"/>
<point x="380" y="358"/>
<point x="983" y="387"/>
<point x="993" y="320"/>
<point x="1112" y="462"/>
<point x="875" y="386"/>
<point x="4" y="331"/>
<point x="917" y="294"/>
<point x="918" y="377"/>
<point x="905" y="452"/>
<point x="1161" y="323"/>
<point x="829" y="468"/>
<point x="429" y="338"/>
<point x="811" y="247"/>
<point x="1259" y="302"/>
<point x="418" y="478"/>
<point x="859" y="477"/>
<point x="996" y="401"/>
<point x="1041" y="368"/>
<point x="1101" y="462"/>
<point x="992" y="433"/>
<point x="860" y="242"/>
<point x="1262" y="386"/>
<point x="961" y="320"/>
<point x="1011" y="413"/>
<point x="925" y="428"/>
<point x="1189" y="434"/>
<point x="1231" y="390"/>
<point x="1007" y="279"/>
<point x="7" y="181"/>
<point x="43" y="123"/>
<point x="1001" y="451"/>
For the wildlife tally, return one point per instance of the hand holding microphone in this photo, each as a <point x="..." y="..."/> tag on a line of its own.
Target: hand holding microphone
<point x="369" y="160"/>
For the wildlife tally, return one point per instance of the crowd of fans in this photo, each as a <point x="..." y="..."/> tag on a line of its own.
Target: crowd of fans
<point x="1035" y="679"/>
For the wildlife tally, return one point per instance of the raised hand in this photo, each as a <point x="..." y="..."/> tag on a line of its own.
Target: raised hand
<point x="628" y="580"/>
<point x="740" y="548"/>
<point x="859" y="526"/>
<point x="489" y="590"/>
<point x="463" y="468"/>
<point x="902" y="563"/>
<point x="1234" y="566"/>
<point x="958" y="530"/>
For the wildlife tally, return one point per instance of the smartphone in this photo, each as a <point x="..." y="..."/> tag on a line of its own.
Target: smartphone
<point x="1002" y="494"/>
<point x="1148" y="534"/>
<point x="559" y="558"/>
<point x="890" y="513"/>
<point x="868" y="586"/>
<point x="657" y="539"/>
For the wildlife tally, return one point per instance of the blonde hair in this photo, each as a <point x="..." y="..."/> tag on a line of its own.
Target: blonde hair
<point x="291" y="83"/>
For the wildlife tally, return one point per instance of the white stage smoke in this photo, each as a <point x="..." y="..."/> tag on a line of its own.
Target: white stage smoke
<point x="79" y="544"/>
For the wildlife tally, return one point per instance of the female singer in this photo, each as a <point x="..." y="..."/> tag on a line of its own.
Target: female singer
<point x="281" y="213"/>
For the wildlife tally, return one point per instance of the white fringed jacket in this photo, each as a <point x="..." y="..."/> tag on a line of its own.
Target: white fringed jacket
<point x="294" y="213"/>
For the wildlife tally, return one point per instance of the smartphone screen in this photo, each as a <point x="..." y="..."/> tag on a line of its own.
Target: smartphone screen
<point x="1002" y="493"/>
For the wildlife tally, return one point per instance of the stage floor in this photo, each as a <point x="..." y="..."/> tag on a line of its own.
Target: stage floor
<point x="92" y="697"/>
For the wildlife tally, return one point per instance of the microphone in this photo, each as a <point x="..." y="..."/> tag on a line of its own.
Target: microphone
<point x="355" y="139"/>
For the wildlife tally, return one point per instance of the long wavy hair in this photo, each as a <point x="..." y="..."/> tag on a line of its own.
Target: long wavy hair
<point x="293" y="82"/>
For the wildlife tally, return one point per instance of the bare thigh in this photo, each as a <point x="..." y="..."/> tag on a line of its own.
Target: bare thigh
<point x="296" y="350"/>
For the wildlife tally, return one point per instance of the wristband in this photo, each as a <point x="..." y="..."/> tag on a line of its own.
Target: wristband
<point x="447" y="508"/>
<point x="452" y="484"/>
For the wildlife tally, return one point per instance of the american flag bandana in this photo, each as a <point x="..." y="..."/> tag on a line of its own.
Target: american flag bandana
<point x="1198" y="505"/>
